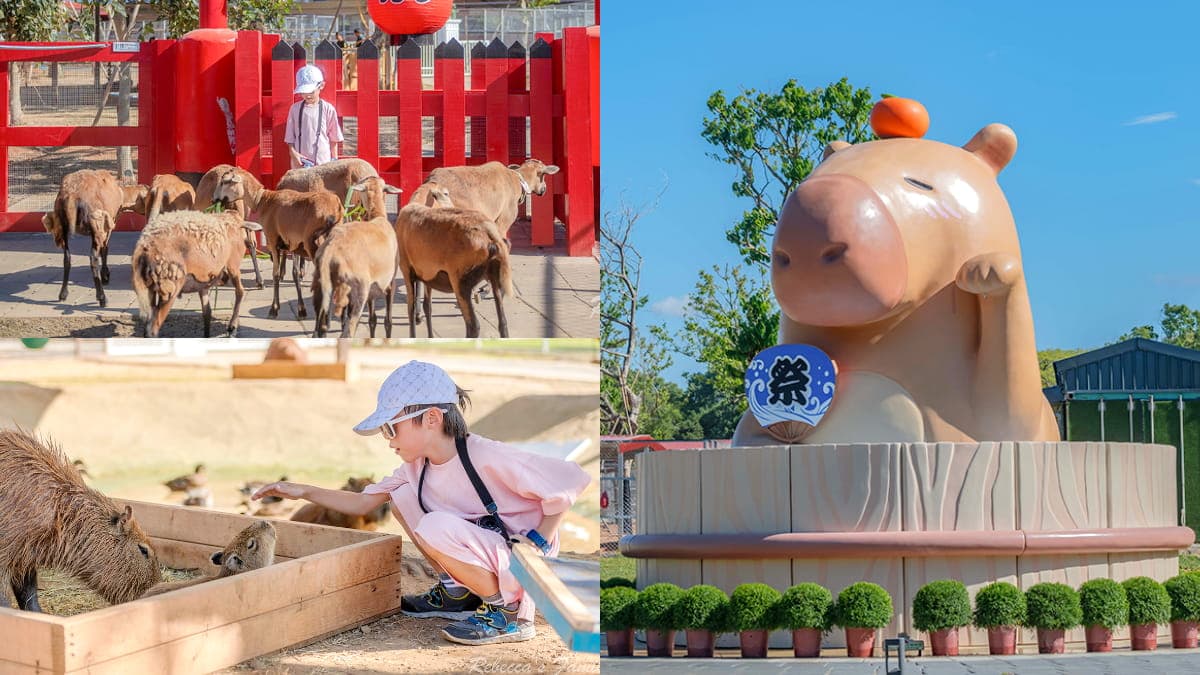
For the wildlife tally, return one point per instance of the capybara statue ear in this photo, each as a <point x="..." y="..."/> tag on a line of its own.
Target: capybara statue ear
<point x="995" y="144"/>
<point x="834" y="147"/>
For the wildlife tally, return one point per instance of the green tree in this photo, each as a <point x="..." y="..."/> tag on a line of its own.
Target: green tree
<point x="1046" y="359"/>
<point x="1180" y="326"/>
<point x="183" y="16"/>
<point x="716" y="416"/>
<point x="774" y="141"/>
<point x="1147" y="332"/>
<point x="26" y="21"/>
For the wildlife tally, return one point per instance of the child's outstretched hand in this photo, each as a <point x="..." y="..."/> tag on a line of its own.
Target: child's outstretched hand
<point x="516" y="538"/>
<point x="281" y="489"/>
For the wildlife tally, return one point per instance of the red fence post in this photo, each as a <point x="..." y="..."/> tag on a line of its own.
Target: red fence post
<point x="160" y="106"/>
<point x="478" y="84"/>
<point x="3" y="139"/>
<point x="247" y="101"/>
<point x="329" y="61"/>
<point x="408" y="121"/>
<point x="496" y="72"/>
<point x="541" y="129"/>
<point x="283" y="77"/>
<point x="559" y="128"/>
<point x="581" y="233"/>
<point x="448" y="75"/>
<point x="367" y="113"/>
<point x="517" y="138"/>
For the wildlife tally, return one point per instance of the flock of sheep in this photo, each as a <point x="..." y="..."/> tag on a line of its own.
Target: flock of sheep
<point x="451" y="236"/>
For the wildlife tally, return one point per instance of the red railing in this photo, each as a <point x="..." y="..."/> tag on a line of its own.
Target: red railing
<point x="547" y="88"/>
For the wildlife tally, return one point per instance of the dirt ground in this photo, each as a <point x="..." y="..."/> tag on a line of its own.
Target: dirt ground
<point x="136" y="425"/>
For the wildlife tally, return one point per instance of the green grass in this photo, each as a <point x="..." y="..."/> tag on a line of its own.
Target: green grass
<point x="1188" y="562"/>
<point x="617" y="566"/>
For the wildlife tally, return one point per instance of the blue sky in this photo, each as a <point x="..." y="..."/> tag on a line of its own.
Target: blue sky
<point x="1105" y="185"/>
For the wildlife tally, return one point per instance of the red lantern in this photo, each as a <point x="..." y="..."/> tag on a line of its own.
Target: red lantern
<point x="604" y="500"/>
<point x="410" y="17"/>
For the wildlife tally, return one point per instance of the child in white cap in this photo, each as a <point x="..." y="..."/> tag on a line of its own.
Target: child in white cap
<point x="312" y="131"/>
<point x="462" y="523"/>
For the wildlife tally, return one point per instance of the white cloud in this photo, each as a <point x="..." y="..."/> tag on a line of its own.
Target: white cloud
<point x="669" y="306"/>
<point x="1196" y="181"/>
<point x="1152" y="119"/>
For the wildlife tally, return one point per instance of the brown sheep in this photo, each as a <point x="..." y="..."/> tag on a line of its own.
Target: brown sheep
<point x="336" y="176"/>
<point x="168" y="192"/>
<point x="88" y="203"/>
<point x="357" y="265"/>
<point x="188" y="252"/>
<point x="495" y="190"/>
<point x="292" y="222"/>
<point x="204" y="200"/>
<point x="50" y="518"/>
<point x="253" y="548"/>
<point x="451" y="250"/>
<point x="319" y="515"/>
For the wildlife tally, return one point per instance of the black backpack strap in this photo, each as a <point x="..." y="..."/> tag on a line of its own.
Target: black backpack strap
<point x="480" y="488"/>
<point x="421" y="486"/>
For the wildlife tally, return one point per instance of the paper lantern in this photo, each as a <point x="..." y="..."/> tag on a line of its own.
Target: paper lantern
<point x="410" y="17"/>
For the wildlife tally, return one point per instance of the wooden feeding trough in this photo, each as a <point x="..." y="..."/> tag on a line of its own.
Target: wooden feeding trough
<point x="567" y="592"/>
<point x="346" y="372"/>
<point x="325" y="580"/>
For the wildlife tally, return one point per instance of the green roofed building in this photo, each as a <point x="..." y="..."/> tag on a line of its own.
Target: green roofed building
<point x="1139" y="391"/>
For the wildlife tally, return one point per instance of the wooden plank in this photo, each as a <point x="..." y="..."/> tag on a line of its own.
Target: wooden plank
<point x="197" y="610"/>
<point x="227" y="645"/>
<point x="214" y="528"/>
<point x="541" y="130"/>
<point x="669" y="502"/>
<point x="290" y="370"/>
<point x="367" y="111"/>
<point x="495" y="70"/>
<point x="1142" y="488"/>
<point x="282" y="84"/>
<point x="747" y="490"/>
<point x="69" y="136"/>
<point x="408" y="121"/>
<point x="449" y="78"/>
<point x="478" y="121"/>
<point x="184" y="555"/>
<point x="31" y="639"/>
<point x="566" y="591"/>
<point x="581" y="224"/>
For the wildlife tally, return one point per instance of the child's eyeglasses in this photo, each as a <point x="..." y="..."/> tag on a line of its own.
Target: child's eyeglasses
<point x="388" y="429"/>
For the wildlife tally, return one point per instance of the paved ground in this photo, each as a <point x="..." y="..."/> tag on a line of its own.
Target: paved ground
<point x="1169" y="661"/>
<point x="556" y="296"/>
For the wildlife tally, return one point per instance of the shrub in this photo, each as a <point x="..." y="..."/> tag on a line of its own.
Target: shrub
<point x="616" y="608"/>
<point x="999" y="604"/>
<point x="1148" y="601"/>
<point x="1103" y="603"/>
<point x="615" y="582"/>
<point x="702" y="607"/>
<point x="863" y="605"/>
<point x="750" y="607"/>
<point x="655" y="606"/>
<point x="941" y="604"/>
<point x="1185" y="597"/>
<point x="1052" y="605"/>
<point x="805" y="605"/>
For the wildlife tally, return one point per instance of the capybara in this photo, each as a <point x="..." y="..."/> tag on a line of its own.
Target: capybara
<point x="49" y="518"/>
<point x="899" y="258"/>
<point x="319" y="515"/>
<point x="286" y="349"/>
<point x="253" y="548"/>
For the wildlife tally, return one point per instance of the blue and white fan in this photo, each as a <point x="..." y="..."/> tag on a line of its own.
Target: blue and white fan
<point x="790" y="383"/>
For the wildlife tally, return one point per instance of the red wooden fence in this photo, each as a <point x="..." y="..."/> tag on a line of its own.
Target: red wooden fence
<point x="549" y="85"/>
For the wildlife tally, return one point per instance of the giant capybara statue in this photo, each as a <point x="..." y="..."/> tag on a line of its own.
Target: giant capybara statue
<point x="899" y="258"/>
<point x="253" y="548"/>
<point x="319" y="515"/>
<point x="285" y="349"/>
<point x="49" y="518"/>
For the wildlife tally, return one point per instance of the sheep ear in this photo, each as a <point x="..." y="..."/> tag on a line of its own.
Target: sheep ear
<point x="216" y="557"/>
<point x="550" y="169"/>
<point x="834" y="147"/>
<point x="514" y="167"/>
<point x="251" y="225"/>
<point x="392" y="189"/>
<point x="358" y="187"/>
<point x="995" y="144"/>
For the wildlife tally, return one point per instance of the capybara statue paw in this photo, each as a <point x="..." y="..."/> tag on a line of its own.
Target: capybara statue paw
<point x="989" y="274"/>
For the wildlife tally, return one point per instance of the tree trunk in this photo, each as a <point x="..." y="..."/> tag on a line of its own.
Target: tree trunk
<point x="124" y="153"/>
<point x="16" y="115"/>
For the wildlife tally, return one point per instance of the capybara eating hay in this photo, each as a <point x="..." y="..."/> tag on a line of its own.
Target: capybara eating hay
<point x="49" y="518"/>
<point x="253" y="548"/>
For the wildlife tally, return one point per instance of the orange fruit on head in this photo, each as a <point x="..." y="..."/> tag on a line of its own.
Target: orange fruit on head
<point x="897" y="117"/>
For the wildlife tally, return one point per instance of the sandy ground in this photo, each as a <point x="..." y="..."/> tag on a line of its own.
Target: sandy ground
<point x="139" y="424"/>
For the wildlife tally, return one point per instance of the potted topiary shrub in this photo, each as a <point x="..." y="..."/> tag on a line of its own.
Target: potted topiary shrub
<point x="1052" y="608"/>
<point x="613" y="582"/>
<point x="807" y="610"/>
<point x="1000" y="608"/>
<point x="1185" y="609"/>
<point x="655" y="612"/>
<point x="1149" y="605"/>
<point x="750" y="613"/>
<point x="1104" y="608"/>
<point x="861" y="609"/>
<point x="701" y="611"/>
<point x="616" y="619"/>
<point x="940" y="608"/>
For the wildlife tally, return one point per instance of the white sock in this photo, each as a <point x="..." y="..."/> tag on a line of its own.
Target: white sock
<point x="450" y="584"/>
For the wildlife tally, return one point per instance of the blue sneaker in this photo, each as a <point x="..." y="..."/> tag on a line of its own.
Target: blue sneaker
<point x="438" y="602"/>
<point x="490" y="624"/>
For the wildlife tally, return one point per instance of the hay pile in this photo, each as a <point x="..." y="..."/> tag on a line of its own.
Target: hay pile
<point x="64" y="595"/>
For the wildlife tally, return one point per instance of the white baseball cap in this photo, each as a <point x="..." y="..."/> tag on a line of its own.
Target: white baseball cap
<point x="308" y="79"/>
<point x="414" y="383"/>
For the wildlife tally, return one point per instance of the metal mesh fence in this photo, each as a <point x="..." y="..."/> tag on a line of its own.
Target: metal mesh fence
<point x="70" y="94"/>
<point x="618" y="502"/>
<point x="35" y="173"/>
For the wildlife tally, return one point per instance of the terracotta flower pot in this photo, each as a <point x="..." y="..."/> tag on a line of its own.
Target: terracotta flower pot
<point x="660" y="642"/>
<point x="860" y="642"/>
<point x="1050" y="640"/>
<point x="1099" y="639"/>
<point x="754" y="644"/>
<point x="1143" y="637"/>
<point x="700" y="643"/>
<point x="806" y="642"/>
<point x="620" y="642"/>
<point x="1002" y="640"/>
<point x="1183" y="634"/>
<point x="944" y="642"/>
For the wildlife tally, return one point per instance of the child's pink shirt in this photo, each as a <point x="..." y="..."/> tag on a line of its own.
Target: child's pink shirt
<point x="305" y="133"/>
